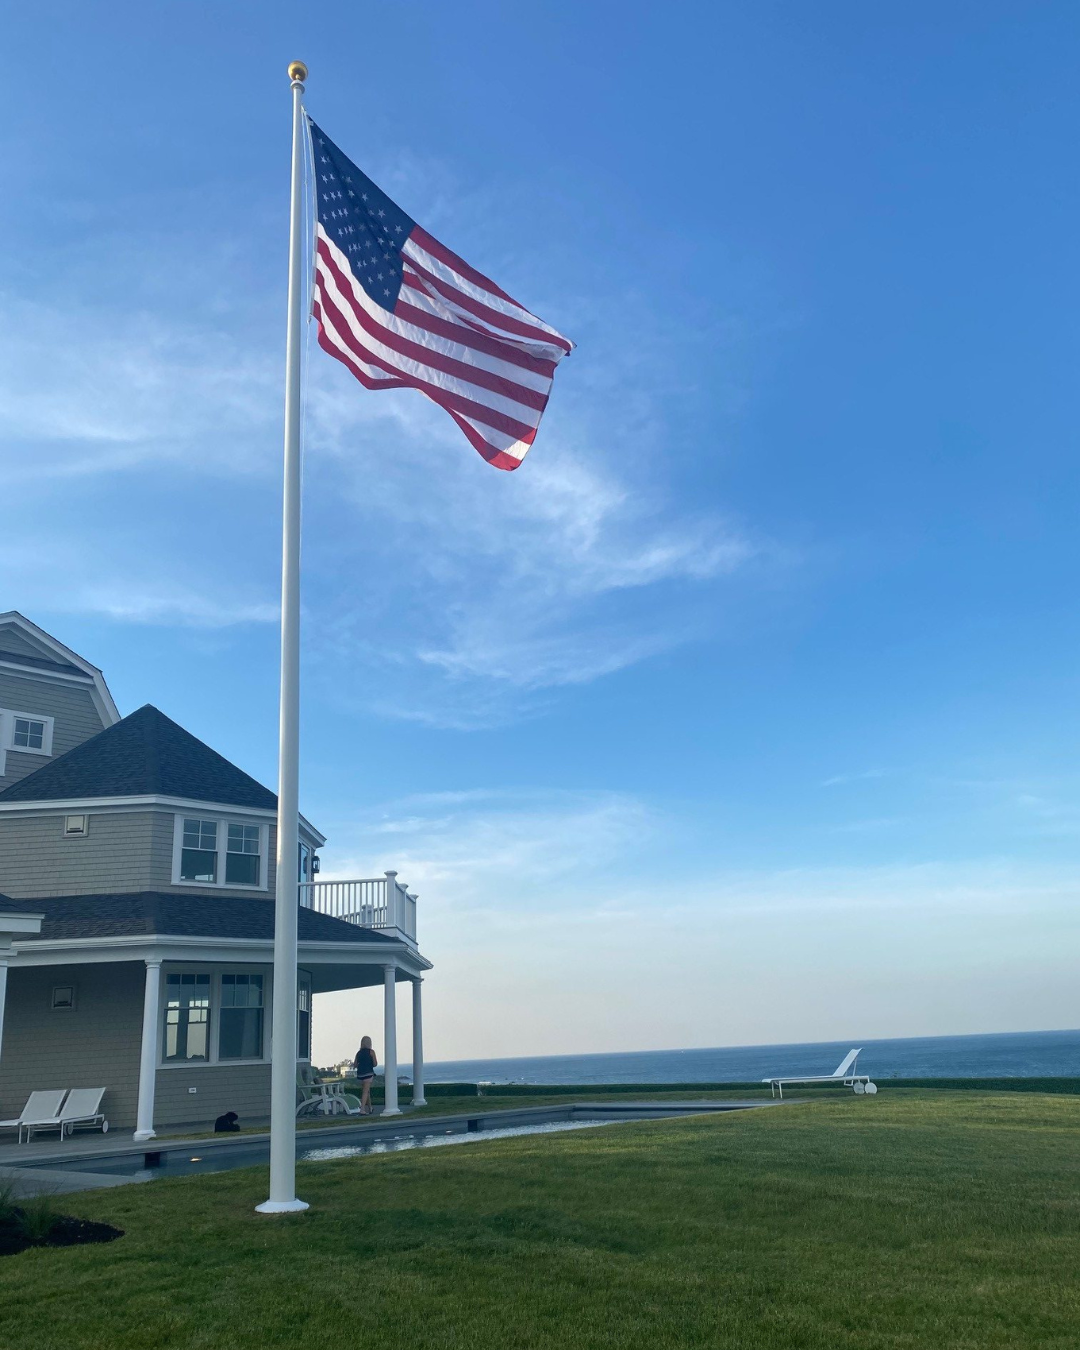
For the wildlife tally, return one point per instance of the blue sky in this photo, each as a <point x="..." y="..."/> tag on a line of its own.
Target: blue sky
<point x="748" y="709"/>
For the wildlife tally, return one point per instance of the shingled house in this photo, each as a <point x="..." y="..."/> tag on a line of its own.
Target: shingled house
<point x="137" y="874"/>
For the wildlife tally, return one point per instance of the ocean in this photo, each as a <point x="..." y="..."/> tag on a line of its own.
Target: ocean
<point x="1021" y="1054"/>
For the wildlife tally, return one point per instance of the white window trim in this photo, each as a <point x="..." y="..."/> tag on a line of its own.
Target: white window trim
<point x="213" y="1061"/>
<point x="223" y="823"/>
<point x="7" y="735"/>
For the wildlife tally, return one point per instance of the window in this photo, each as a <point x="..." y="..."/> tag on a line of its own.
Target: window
<point x="76" y="826"/>
<point x="303" y="1017"/>
<point x="242" y="857"/>
<point x="216" y="851"/>
<point x="198" y="857"/>
<point x="24" y="732"/>
<point x="29" y="734"/>
<point x="187" y="1018"/>
<point x="215" y="1016"/>
<point x="240" y="1025"/>
<point x="63" y="997"/>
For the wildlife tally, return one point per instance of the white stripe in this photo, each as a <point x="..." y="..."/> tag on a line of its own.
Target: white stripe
<point x="417" y="369"/>
<point x="532" y="345"/>
<point x="439" y="269"/>
<point x="496" y="439"/>
<point x="373" y="372"/>
<point x="426" y="338"/>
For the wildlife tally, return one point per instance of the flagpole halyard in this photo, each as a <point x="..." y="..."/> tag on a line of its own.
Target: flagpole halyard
<point x="282" y="1197"/>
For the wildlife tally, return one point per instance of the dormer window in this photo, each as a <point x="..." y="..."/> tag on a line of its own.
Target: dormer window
<point x="216" y="851"/>
<point x="29" y="734"/>
<point x="25" y="733"/>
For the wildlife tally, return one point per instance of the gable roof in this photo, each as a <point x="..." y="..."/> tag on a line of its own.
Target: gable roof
<point x="24" y="644"/>
<point x="161" y="914"/>
<point x="143" y="755"/>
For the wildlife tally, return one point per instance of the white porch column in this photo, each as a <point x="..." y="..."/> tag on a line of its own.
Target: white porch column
<point x="144" y="1124"/>
<point x="417" y="1046"/>
<point x="390" y="1040"/>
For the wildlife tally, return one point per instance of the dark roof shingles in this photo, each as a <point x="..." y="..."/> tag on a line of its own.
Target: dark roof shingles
<point x="144" y="754"/>
<point x="159" y="913"/>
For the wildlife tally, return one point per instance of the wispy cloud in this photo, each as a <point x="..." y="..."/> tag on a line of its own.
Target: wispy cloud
<point x="495" y="847"/>
<point x="864" y="776"/>
<point x="90" y="390"/>
<point x="573" y="568"/>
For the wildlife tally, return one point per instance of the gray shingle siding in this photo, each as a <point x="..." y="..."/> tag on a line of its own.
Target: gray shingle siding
<point x="12" y="640"/>
<point x="96" y="1044"/>
<point x="36" y="859"/>
<point x="124" y="851"/>
<point x="243" y="1088"/>
<point x="77" y="719"/>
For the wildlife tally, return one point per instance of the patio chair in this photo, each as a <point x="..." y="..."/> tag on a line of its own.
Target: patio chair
<point x="326" y="1099"/>
<point x="309" y="1100"/>
<point x="843" y="1073"/>
<point x="41" y="1105"/>
<point x="341" y="1102"/>
<point x="83" y="1107"/>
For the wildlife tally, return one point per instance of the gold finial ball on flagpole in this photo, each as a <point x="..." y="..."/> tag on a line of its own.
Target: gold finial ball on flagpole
<point x="297" y="71"/>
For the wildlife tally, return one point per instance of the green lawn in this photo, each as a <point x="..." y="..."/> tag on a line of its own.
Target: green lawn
<point x="907" y="1220"/>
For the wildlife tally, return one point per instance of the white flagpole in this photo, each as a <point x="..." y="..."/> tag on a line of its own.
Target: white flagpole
<point x="283" y="1050"/>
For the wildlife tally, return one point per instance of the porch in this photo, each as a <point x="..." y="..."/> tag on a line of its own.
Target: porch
<point x="175" y="1024"/>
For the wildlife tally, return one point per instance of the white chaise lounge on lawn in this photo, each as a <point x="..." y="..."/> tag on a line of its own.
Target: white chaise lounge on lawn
<point x="843" y="1073"/>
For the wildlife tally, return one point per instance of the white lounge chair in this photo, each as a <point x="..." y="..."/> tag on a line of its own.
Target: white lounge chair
<point x="83" y="1107"/>
<point x="843" y="1073"/>
<point x="41" y="1105"/>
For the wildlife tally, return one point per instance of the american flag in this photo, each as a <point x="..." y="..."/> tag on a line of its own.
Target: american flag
<point x="402" y="311"/>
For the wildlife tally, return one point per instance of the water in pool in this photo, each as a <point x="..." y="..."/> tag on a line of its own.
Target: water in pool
<point x="179" y="1163"/>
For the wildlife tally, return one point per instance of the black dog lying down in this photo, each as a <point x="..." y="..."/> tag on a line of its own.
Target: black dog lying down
<point x="229" y="1123"/>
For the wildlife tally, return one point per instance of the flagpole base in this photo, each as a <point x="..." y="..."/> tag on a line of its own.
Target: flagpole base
<point x="281" y="1207"/>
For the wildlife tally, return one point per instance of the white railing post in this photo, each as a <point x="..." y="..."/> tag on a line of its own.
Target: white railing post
<point x="390" y="921"/>
<point x="390" y="1071"/>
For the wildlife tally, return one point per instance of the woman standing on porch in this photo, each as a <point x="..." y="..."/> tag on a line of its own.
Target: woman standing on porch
<point x="364" y="1063"/>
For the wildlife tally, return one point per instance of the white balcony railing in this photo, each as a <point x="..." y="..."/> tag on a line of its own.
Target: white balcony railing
<point x="371" y="902"/>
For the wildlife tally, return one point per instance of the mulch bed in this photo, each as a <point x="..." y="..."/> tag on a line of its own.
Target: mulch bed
<point x="65" y="1232"/>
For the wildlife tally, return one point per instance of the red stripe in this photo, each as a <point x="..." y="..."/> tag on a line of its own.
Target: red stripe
<point x="365" y="379"/>
<point x="427" y="356"/>
<point x="498" y="458"/>
<point x="468" y="336"/>
<point x="485" y="312"/>
<point x="431" y="245"/>
<point x="520" y="431"/>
